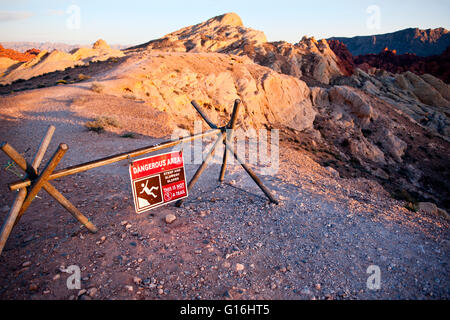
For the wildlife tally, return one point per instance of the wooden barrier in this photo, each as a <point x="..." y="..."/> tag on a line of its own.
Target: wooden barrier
<point x="29" y="187"/>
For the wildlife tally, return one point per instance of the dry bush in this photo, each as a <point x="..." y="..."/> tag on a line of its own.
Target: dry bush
<point x="129" y="96"/>
<point x="97" y="87"/>
<point x="129" y="135"/>
<point x="99" y="124"/>
<point x="82" y="77"/>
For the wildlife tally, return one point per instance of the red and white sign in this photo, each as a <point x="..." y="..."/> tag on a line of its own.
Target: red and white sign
<point x="158" y="180"/>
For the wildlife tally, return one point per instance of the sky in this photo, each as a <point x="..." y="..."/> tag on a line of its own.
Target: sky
<point x="131" y="22"/>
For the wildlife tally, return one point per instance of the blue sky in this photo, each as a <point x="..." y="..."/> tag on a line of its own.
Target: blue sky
<point x="135" y="22"/>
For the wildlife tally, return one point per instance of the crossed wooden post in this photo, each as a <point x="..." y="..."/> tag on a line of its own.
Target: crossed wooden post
<point x="38" y="181"/>
<point x="225" y="137"/>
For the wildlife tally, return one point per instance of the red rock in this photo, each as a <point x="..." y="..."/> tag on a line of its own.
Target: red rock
<point x="389" y="60"/>
<point x="346" y="58"/>
<point x="18" y="56"/>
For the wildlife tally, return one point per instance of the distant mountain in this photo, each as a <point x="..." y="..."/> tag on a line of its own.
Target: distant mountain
<point x="413" y="40"/>
<point x="49" y="46"/>
<point x="389" y="60"/>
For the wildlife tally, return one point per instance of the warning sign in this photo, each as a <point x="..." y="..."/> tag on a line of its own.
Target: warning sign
<point x="158" y="180"/>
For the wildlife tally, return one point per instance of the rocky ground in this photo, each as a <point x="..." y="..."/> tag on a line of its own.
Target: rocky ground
<point x="228" y="242"/>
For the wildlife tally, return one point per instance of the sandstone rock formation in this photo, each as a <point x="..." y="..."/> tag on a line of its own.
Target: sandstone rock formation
<point x="423" y="98"/>
<point x="226" y="34"/>
<point x="169" y="81"/>
<point x="309" y="59"/>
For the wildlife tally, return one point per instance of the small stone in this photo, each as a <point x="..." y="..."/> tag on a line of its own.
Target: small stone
<point x="124" y="223"/>
<point x="92" y="292"/>
<point x="160" y="291"/>
<point x="318" y="286"/>
<point x="28" y="239"/>
<point x="239" y="267"/>
<point x="26" y="264"/>
<point x="226" y="264"/>
<point x="137" y="280"/>
<point x="102" y="239"/>
<point x="306" y="291"/>
<point x="129" y="288"/>
<point x="81" y="292"/>
<point x="170" y="218"/>
<point x="56" y="277"/>
<point x="128" y="226"/>
<point x="33" y="287"/>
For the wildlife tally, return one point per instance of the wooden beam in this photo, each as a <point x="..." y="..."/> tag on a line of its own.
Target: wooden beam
<point x="204" y="165"/>
<point x="112" y="159"/>
<point x="43" y="148"/>
<point x="229" y="136"/>
<point x="8" y="225"/>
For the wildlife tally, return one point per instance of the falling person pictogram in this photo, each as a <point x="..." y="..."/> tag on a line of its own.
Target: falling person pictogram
<point x="149" y="191"/>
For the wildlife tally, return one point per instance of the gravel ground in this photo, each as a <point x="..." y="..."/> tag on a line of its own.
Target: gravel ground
<point x="228" y="242"/>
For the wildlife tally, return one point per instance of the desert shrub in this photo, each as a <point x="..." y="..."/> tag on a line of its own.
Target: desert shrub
<point x="411" y="206"/>
<point x="97" y="87"/>
<point x="82" y="77"/>
<point x="412" y="203"/>
<point x="129" y="96"/>
<point x="128" y="135"/>
<point x="99" y="124"/>
<point x="61" y="82"/>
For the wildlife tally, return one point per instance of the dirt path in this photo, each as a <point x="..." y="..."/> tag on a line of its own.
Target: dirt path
<point x="225" y="243"/>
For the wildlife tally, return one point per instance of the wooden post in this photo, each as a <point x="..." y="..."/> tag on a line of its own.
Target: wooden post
<point x="43" y="148"/>
<point x="70" y="207"/>
<point x="253" y="176"/>
<point x="203" y="166"/>
<point x="229" y="136"/>
<point x="8" y="225"/>
<point x="204" y="116"/>
<point x="40" y="155"/>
